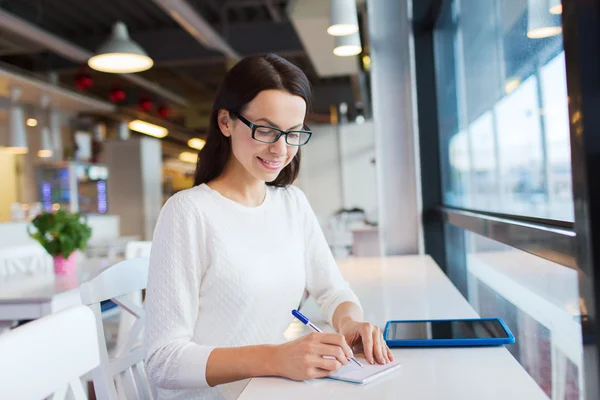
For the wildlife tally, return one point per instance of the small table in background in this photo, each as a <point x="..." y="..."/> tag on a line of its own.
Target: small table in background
<point x="30" y="296"/>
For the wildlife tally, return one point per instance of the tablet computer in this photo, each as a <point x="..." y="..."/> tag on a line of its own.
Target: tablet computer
<point x="448" y="332"/>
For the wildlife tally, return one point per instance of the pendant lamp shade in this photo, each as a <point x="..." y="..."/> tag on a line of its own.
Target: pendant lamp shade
<point x="46" y="144"/>
<point x="123" y="130"/>
<point x="343" y="18"/>
<point x="555" y="7"/>
<point x="17" y="136"/>
<point x="120" y="54"/>
<point x="46" y="149"/>
<point x="540" y="22"/>
<point x="55" y="135"/>
<point x="347" y="45"/>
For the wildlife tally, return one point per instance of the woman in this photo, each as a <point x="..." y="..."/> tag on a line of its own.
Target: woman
<point x="233" y="256"/>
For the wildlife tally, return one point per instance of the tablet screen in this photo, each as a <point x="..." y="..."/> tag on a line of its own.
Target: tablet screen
<point x="426" y="330"/>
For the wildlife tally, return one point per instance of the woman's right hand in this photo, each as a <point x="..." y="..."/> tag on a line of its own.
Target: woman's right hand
<point x="303" y="358"/>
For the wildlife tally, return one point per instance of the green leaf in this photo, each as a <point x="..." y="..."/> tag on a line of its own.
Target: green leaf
<point x="60" y="232"/>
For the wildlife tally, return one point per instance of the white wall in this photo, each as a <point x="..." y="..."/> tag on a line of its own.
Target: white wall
<point x="359" y="177"/>
<point x="337" y="169"/>
<point x="319" y="176"/>
<point x="135" y="184"/>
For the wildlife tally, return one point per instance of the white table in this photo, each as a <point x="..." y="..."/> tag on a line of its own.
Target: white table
<point x="32" y="296"/>
<point x="411" y="287"/>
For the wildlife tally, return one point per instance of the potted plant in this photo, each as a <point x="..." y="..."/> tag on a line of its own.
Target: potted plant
<point x="61" y="233"/>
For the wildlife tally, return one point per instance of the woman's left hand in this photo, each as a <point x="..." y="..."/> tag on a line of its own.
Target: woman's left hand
<point x="371" y="338"/>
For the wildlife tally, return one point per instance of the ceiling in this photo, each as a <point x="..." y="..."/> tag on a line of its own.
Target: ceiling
<point x="183" y="66"/>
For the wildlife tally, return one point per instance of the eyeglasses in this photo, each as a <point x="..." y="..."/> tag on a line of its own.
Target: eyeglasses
<point x="269" y="134"/>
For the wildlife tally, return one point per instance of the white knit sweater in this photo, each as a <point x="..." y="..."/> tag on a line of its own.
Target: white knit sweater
<point x="226" y="275"/>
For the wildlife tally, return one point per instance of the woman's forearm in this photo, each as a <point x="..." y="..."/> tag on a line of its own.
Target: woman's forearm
<point x="346" y="311"/>
<point x="226" y="365"/>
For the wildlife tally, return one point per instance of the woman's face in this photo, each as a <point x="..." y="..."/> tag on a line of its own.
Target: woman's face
<point x="276" y="108"/>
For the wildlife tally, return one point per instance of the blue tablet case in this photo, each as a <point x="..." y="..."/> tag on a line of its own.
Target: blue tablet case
<point x="450" y="342"/>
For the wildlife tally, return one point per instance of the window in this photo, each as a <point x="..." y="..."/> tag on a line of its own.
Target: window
<point x="504" y="148"/>
<point x="502" y="107"/>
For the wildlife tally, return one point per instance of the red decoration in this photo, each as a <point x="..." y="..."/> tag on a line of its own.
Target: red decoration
<point x="145" y="104"/>
<point x="117" y="95"/>
<point x="163" y="111"/>
<point x="83" y="81"/>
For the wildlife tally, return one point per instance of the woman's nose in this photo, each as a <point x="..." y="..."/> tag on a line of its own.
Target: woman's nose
<point x="279" y="147"/>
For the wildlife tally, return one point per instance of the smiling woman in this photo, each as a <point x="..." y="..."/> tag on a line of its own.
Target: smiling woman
<point x="234" y="255"/>
<point x="254" y="88"/>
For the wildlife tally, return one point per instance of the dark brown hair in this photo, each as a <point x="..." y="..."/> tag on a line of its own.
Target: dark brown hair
<point x="243" y="83"/>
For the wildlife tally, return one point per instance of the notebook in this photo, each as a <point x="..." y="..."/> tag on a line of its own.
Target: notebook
<point x="354" y="374"/>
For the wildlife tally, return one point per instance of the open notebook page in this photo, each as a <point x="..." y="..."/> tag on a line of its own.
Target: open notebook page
<point x="355" y="374"/>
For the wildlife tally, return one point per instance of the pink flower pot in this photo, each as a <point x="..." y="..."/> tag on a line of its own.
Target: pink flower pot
<point x="64" y="266"/>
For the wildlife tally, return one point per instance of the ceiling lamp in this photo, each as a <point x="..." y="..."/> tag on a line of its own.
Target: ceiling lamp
<point x="17" y="137"/>
<point x="188" y="157"/>
<point x="347" y="45"/>
<point x="555" y="7"/>
<point x="343" y="18"/>
<point x="32" y="122"/>
<point x="540" y="23"/>
<point x="55" y="133"/>
<point x="123" y="130"/>
<point x="196" y="143"/>
<point x="120" y="54"/>
<point x="46" y="147"/>
<point x="148" y="128"/>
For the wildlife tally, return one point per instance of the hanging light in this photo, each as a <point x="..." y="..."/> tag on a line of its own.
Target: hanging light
<point x="17" y="137"/>
<point x="343" y="19"/>
<point x="148" y="128"/>
<point x="123" y="130"/>
<point x="347" y="45"/>
<point x="56" y="137"/>
<point x="555" y="7"/>
<point x="45" y="150"/>
<point x="120" y="54"/>
<point x="32" y="122"/>
<point x="188" y="157"/>
<point x="196" y="143"/>
<point x="46" y="147"/>
<point x="540" y="23"/>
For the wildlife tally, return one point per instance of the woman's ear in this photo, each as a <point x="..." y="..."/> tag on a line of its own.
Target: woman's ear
<point x="224" y="121"/>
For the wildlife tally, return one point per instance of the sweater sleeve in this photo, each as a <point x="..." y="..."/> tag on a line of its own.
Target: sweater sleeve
<point x="324" y="280"/>
<point x="173" y="360"/>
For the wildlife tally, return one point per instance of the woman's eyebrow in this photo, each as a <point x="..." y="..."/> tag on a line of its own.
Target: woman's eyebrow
<point x="273" y="124"/>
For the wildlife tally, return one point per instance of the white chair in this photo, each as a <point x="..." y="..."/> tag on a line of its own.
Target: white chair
<point x="49" y="356"/>
<point x="134" y="249"/>
<point x="28" y="258"/>
<point x="137" y="249"/>
<point x="121" y="376"/>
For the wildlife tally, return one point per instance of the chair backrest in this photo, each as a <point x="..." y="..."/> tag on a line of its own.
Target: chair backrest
<point x="137" y="249"/>
<point x="24" y="259"/>
<point x="122" y="376"/>
<point x="49" y="356"/>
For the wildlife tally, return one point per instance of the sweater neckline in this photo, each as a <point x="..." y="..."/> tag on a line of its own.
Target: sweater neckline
<point x="235" y="203"/>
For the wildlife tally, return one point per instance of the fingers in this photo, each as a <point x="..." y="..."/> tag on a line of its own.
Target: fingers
<point x="378" y="346"/>
<point x="335" y="352"/>
<point x="389" y="353"/>
<point x="328" y="364"/>
<point x="321" y="373"/>
<point x="334" y="339"/>
<point x="367" y="338"/>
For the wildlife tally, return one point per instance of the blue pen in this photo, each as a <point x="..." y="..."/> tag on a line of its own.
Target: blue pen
<point x="305" y="321"/>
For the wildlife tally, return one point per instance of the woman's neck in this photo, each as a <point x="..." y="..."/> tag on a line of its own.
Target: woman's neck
<point x="238" y="185"/>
